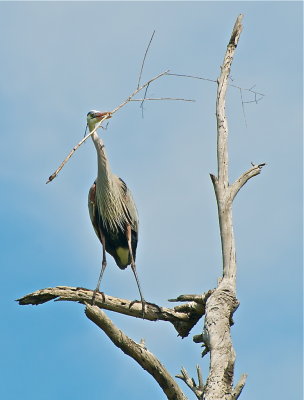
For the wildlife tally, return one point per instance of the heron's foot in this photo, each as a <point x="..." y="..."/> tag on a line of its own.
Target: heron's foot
<point x="143" y="303"/>
<point x="94" y="296"/>
<point x="159" y="309"/>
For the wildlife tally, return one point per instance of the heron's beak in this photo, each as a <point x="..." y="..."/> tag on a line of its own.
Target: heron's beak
<point x="101" y="115"/>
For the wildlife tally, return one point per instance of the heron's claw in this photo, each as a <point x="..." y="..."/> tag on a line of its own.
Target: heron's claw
<point x="159" y="309"/>
<point x="143" y="306"/>
<point x="94" y="296"/>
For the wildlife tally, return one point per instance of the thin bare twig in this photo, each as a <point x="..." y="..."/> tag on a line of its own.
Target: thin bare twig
<point x="256" y="99"/>
<point x="243" y="108"/>
<point x="144" y="59"/>
<point x="142" y="103"/>
<point x="250" y="90"/>
<point x="53" y="176"/>
<point x="138" y="90"/>
<point x="141" y="70"/>
<point x="162" y="98"/>
<point x="193" y="77"/>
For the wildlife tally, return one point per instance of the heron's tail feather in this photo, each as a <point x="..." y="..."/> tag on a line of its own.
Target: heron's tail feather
<point x="122" y="257"/>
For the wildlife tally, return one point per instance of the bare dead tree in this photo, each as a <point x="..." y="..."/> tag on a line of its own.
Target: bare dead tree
<point x="218" y="305"/>
<point x="222" y="303"/>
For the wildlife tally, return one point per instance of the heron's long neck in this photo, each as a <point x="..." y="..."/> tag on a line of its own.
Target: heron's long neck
<point x="104" y="170"/>
<point x="109" y="194"/>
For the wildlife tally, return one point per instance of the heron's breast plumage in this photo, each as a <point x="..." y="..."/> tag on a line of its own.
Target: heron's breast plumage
<point x="110" y="215"/>
<point x="115" y="205"/>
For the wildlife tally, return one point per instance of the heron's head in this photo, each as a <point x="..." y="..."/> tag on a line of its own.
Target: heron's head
<point x="94" y="116"/>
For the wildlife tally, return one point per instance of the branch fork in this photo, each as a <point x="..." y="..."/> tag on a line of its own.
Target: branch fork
<point x="197" y="389"/>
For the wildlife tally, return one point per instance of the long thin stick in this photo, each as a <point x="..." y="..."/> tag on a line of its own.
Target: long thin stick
<point x="193" y="77"/>
<point x="162" y="98"/>
<point x="144" y="59"/>
<point x="229" y="84"/>
<point x="53" y="176"/>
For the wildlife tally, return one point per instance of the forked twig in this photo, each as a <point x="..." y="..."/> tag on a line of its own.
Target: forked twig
<point x="109" y="115"/>
<point x="138" y="90"/>
<point x="142" y="102"/>
<point x="256" y="94"/>
<point x="198" y="390"/>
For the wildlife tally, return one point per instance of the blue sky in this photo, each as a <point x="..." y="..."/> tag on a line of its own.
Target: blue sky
<point x="61" y="59"/>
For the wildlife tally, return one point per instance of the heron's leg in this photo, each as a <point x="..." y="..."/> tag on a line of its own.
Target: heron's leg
<point x="133" y="266"/>
<point x="103" y="267"/>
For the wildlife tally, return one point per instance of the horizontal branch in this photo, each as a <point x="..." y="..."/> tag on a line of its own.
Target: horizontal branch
<point x="137" y="351"/>
<point x="197" y="298"/>
<point x="182" y="320"/>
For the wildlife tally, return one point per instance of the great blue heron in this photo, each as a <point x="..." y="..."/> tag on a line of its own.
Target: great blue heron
<point x="112" y="210"/>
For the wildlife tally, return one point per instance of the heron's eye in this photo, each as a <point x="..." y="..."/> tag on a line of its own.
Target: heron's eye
<point x="90" y="114"/>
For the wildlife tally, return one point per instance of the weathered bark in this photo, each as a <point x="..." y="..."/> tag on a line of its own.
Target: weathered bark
<point x="183" y="317"/>
<point x="223" y="302"/>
